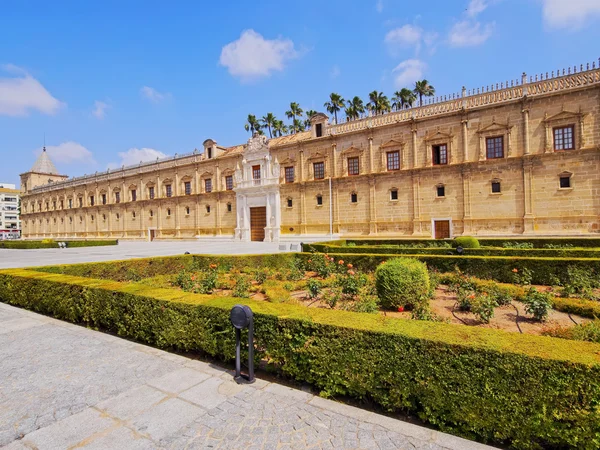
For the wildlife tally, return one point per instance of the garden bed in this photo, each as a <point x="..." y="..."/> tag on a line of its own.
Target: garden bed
<point x="477" y="381"/>
<point x="51" y="243"/>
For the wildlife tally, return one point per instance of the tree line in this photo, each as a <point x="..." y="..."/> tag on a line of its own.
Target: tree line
<point x="354" y="109"/>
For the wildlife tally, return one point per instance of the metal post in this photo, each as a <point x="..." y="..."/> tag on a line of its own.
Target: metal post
<point x="250" y="351"/>
<point x="238" y="351"/>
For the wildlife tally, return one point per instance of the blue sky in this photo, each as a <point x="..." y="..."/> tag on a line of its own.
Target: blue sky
<point x="113" y="82"/>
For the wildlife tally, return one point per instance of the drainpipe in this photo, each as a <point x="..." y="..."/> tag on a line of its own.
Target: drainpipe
<point x="330" y="210"/>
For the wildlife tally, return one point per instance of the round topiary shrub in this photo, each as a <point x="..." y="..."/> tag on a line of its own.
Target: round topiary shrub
<point x="465" y="242"/>
<point x="402" y="282"/>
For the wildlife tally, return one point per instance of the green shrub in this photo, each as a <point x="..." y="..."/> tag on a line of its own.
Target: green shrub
<point x="465" y="242"/>
<point x="314" y="288"/>
<point x="402" y="282"/>
<point x="514" y="390"/>
<point x="483" y="306"/>
<point x="241" y="286"/>
<point x="538" y="304"/>
<point x="51" y="243"/>
<point x="589" y="332"/>
<point x="276" y="292"/>
<point x="579" y="282"/>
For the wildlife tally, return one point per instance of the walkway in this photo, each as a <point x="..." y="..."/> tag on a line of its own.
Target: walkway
<point x="65" y="386"/>
<point x="131" y="249"/>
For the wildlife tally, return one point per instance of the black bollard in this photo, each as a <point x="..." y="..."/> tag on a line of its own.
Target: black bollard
<point x="241" y="317"/>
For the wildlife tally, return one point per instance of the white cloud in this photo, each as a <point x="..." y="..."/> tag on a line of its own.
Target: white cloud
<point x="68" y="153"/>
<point x="134" y="156"/>
<point x="153" y="95"/>
<point x="570" y="14"/>
<point x="252" y="56"/>
<point x="405" y="36"/>
<point x="407" y="72"/>
<point x="476" y="7"/>
<point x="379" y="6"/>
<point x="100" y="109"/>
<point x="21" y="94"/>
<point x="335" y="72"/>
<point x="467" y="33"/>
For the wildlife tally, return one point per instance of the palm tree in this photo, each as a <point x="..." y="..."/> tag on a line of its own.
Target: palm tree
<point x="268" y="121"/>
<point x="335" y="104"/>
<point x="423" y="88"/>
<point x="355" y="108"/>
<point x="378" y="103"/>
<point x="294" y="112"/>
<point x="252" y="125"/>
<point x="299" y="125"/>
<point x="308" y="115"/>
<point x="279" y="128"/>
<point x="402" y="98"/>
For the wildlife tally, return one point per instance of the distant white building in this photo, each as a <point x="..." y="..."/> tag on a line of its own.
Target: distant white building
<point x="10" y="222"/>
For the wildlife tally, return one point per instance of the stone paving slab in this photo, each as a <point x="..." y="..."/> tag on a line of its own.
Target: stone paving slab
<point x="64" y="386"/>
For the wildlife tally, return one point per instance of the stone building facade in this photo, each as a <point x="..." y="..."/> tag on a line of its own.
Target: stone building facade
<point x="515" y="159"/>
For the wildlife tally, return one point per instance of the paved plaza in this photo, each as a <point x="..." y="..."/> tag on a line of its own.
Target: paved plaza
<point x="134" y="249"/>
<point x="64" y="386"/>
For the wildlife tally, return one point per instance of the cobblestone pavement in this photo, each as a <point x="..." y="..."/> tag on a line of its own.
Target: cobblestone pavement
<point x="64" y="386"/>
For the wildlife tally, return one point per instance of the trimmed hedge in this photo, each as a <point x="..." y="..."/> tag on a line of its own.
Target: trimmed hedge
<point x="537" y="242"/>
<point x="136" y="269"/>
<point x="520" y="390"/>
<point x="466" y="242"/>
<point x="401" y="282"/>
<point x="54" y="244"/>
<point x="490" y="251"/>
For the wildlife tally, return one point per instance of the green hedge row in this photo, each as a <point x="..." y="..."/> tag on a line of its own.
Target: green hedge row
<point x="487" y="242"/>
<point x="136" y="269"/>
<point x="544" y="270"/>
<point x="40" y="244"/>
<point x="519" y="390"/>
<point x="542" y="252"/>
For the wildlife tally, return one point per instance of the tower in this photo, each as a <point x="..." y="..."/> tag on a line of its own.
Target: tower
<point x="43" y="172"/>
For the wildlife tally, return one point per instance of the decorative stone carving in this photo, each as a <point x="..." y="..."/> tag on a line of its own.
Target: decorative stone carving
<point x="258" y="143"/>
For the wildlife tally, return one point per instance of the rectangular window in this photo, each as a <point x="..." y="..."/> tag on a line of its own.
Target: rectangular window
<point x="169" y="190"/>
<point x="289" y="174"/>
<point x="208" y="185"/>
<point x="133" y="195"/>
<point x="319" y="168"/>
<point x="393" y="160"/>
<point x="80" y="200"/>
<point x="495" y="187"/>
<point x="495" y="147"/>
<point x="62" y="205"/>
<point x="441" y="191"/>
<point x="354" y="197"/>
<point x="256" y="172"/>
<point x="319" y="200"/>
<point x="440" y="154"/>
<point x="104" y="199"/>
<point x="54" y="204"/>
<point x="187" y="186"/>
<point x="228" y="207"/>
<point x="91" y="201"/>
<point x="117" y="197"/>
<point x="319" y="129"/>
<point x="563" y="138"/>
<point x="565" y="182"/>
<point x="394" y="194"/>
<point x="289" y="202"/>
<point x="353" y="168"/>
<point x="229" y="182"/>
<point x="151" y="192"/>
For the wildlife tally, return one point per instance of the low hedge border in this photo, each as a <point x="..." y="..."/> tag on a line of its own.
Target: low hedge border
<point x="487" y="242"/>
<point x="579" y="306"/>
<point x="39" y="244"/>
<point x="542" y="252"/>
<point x="521" y="390"/>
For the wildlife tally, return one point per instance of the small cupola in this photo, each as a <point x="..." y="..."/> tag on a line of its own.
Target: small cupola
<point x="318" y="124"/>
